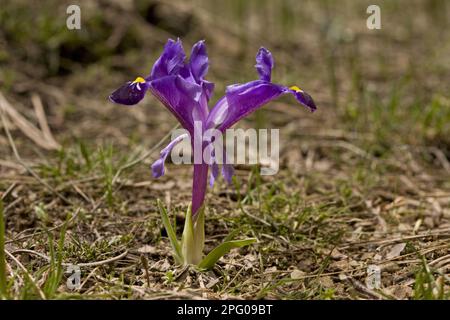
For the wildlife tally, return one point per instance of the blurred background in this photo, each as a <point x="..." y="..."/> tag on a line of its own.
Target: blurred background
<point x="391" y="81"/>
<point x="375" y="157"/>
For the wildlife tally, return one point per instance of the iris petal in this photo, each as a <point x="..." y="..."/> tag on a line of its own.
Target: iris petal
<point x="227" y="172"/>
<point x="208" y="88"/>
<point x="304" y="98"/>
<point x="198" y="66"/>
<point x="214" y="173"/>
<point x="241" y="100"/>
<point x="264" y="64"/>
<point x="227" y="168"/>
<point x="158" y="169"/>
<point x="199" y="61"/>
<point x="179" y="96"/>
<point x="170" y="62"/>
<point x="130" y="93"/>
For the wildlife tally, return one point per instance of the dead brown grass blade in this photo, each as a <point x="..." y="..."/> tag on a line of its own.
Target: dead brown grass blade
<point x="28" y="128"/>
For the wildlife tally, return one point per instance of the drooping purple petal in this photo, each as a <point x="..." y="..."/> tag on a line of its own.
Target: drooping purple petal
<point x="242" y="99"/>
<point x="181" y="97"/>
<point x="264" y="64"/>
<point x="170" y="62"/>
<point x="303" y="97"/>
<point x="227" y="172"/>
<point x="130" y="93"/>
<point x="214" y="173"/>
<point x="158" y="166"/>
<point x="227" y="168"/>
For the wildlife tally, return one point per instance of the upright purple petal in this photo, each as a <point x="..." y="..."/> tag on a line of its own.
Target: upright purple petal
<point x="179" y="96"/>
<point x="199" y="61"/>
<point x="170" y="62"/>
<point x="198" y="67"/>
<point x="201" y="112"/>
<point x="264" y="64"/>
<point x="130" y="93"/>
<point x="158" y="166"/>
<point x="208" y="88"/>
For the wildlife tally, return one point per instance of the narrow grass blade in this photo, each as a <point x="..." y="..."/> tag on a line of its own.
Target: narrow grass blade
<point x="56" y="271"/>
<point x="219" y="251"/>
<point x="3" y="289"/>
<point x="232" y="234"/>
<point x="170" y="233"/>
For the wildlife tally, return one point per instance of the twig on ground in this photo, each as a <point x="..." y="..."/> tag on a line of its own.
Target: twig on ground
<point x="362" y="288"/>
<point x="88" y="264"/>
<point x="41" y="232"/>
<point x="29" y="276"/>
<point x="143" y="157"/>
<point x="40" y="114"/>
<point x="26" y="127"/>
<point x="30" y="171"/>
<point x="440" y="233"/>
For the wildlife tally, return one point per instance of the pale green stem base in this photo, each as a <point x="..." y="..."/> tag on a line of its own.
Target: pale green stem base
<point x="189" y="251"/>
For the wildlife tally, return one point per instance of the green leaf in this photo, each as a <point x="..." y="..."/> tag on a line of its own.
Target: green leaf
<point x="232" y="234"/>
<point x="199" y="234"/>
<point x="171" y="233"/>
<point x="187" y="238"/>
<point x="219" y="251"/>
<point x="193" y="239"/>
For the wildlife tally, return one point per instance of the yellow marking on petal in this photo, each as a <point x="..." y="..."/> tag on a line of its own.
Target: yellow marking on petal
<point x="296" y="89"/>
<point x="139" y="80"/>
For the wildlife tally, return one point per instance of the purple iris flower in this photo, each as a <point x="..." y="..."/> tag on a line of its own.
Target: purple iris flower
<point x="181" y="86"/>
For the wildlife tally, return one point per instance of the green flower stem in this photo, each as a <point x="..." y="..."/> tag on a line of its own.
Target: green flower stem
<point x="189" y="251"/>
